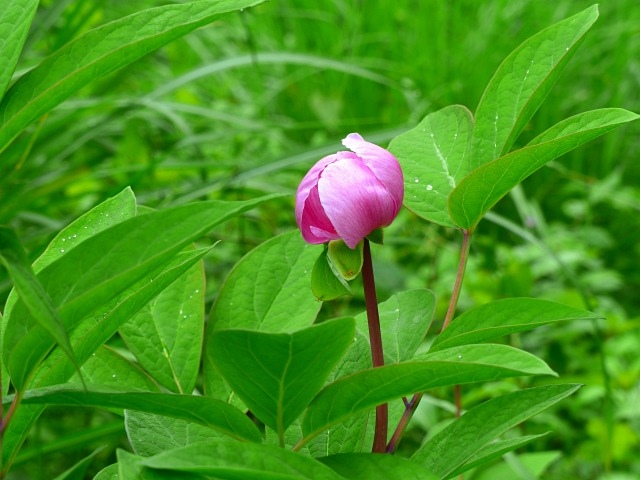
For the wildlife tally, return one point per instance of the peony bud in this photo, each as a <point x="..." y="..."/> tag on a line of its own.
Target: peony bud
<point x="348" y="195"/>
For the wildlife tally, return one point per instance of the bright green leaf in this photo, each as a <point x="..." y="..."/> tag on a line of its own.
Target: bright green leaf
<point x="364" y="390"/>
<point x="434" y="157"/>
<point x="277" y="375"/>
<point x="107" y="367"/>
<point x="524" y="466"/>
<point x="227" y="460"/>
<point x="268" y="289"/>
<point x="30" y="290"/>
<point x="495" y="450"/>
<point x="522" y="82"/>
<point x="459" y="441"/>
<point x="203" y="410"/>
<point x="99" y="52"/>
<point x="367" y="466"/>
<point x="103" y="266"/>
<point x="166" y="335"/>
<point x="15" y="21"/>
<point x="325" y="283"/>
<point x="504" y="317"/>
<point x="345" y="261"/>
<point x="485" y="186"/>
<point x="404" y="321"/>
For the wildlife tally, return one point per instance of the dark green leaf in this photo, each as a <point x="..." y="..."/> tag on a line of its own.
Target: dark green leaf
<point x="100" y="268"/>
<point x="277" y="375"/>
<point x="364" y="390"/>
<point x="368" y="466"/>
<point x="205" y="411"/>
<point x="228" y="460"/>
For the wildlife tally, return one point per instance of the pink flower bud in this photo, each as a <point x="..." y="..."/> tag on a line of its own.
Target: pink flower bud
<point x="349" y="194"/>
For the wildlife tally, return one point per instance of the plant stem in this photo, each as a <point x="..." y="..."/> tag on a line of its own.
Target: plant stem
<point x="375" y="340"/>
<point x="412" y="405"/>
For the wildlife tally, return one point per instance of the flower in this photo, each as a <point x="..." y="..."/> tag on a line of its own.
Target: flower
<point x="348" y="195"/>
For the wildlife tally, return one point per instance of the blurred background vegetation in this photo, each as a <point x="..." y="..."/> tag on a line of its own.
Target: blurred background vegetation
<point x="246" y="105"/>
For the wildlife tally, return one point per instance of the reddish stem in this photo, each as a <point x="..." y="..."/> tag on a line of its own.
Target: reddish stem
<point x="375" y="339"/>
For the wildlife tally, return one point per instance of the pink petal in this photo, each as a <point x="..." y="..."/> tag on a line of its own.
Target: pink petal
<point x="314" y="223"/>
<point x="381" y="162"/>
<point x="354" y="200"/>
<point x="310" y="181"/>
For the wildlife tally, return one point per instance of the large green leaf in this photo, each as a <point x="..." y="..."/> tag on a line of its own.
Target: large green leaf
<point x="99" y="52"/>
<point x="30" y="291"/>
<point x="367" y="466"/>
<point x="349" y="435"/>
<point x="434" y="157"/>
<point x="94" y="331"/>
<point x="404" y="321"/>
<point x="364" y="390"/>
<point x="450" y="448"/>
<point x="166" y="335"/>
<point x="108" y="368"/>
<point x="151" y="434"/>
<point x="481" y="189"/>
<point x="503" y="317"/>
<point x="277" y="375"/>
<point x="104" y="266"/>
<point x="206" y="411"/>
<point x="521" y="83"/>
<point x="228" y="460"/>
<point x="268" y="290"/>
<point x="15" y="20"/>
<point x="495" y="450"/>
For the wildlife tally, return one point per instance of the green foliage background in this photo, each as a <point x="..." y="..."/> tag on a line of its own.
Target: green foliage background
<point x="244" y="107"/>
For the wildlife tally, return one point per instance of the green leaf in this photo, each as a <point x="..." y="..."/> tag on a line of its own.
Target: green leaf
<point x="99" y="52"/>
<point x="524" y="466"/>
<point x="434" y="157"/>
<point x="504" y="317"/>
<point x="166" y="335"/>
<point x="99" y="269"/>
<point x="345" y="261"/>
<point x="404" y="321"/>
<point x="89" y="336"/>
<point x="109" y="368"/>
<point x="108" y="473"/>
<point x="151" y="434"/>
<point x="522" y="82"/>
<point x="31" y="292"/>
<point x="485" y="186"/>
<point x="367" y="466"/>
<point x="366" y="389"/>
<point x="228" y="460"/>
<point x="492" y="354"/>
<point x="459" y="441"/>
<point x="350" y="435"/>
<point x="495" y="450"/>
<point x="325" y="283"/>
<point x="203" y="410"/>
<point x="15" y="20"/>
<point x="277" y="375"/>
<point x="268" y="289"/>
<point x="112" y="211"/>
